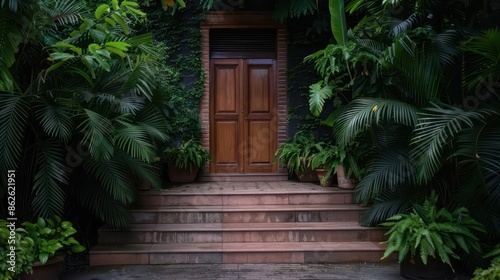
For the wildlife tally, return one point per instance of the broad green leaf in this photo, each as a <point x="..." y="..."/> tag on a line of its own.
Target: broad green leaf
<point x="57" y="56"/>
<point x="122" y="23"/>
<point x="99" y="12"/>
<point x="317" y="97"/>
<point x="338" y="21"/>
<point x="119" y="45"/>
<point x="116" y="51"/>
<point x="137" y="12"/>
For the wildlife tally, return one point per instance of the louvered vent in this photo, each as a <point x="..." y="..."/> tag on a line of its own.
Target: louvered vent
<point x="243" y="43"/>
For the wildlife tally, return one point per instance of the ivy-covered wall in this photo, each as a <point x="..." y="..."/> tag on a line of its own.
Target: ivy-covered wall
<point x="180" y="33"/>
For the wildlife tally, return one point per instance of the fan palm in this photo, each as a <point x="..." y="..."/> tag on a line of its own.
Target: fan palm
<point x="81" y="126"/>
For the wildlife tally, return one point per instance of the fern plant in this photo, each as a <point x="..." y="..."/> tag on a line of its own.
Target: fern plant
<point x="188" y="155"/>
<point x="431" y="232"/>
<point x="296" y="153"/>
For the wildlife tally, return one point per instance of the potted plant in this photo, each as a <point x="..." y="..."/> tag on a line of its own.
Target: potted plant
<point x="427" y="238"/>
<point x="326" y="163"/>
<point x="39" y="247"/>
<point x="296" y="155"/>
<point x="185" y="161"/>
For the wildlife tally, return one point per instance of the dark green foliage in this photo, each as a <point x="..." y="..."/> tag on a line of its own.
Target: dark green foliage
<point x="434" y="232"/>
<point x="84" y="116"/>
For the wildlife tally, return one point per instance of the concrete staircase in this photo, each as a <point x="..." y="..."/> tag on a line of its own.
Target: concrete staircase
<point x="242" y="222"/>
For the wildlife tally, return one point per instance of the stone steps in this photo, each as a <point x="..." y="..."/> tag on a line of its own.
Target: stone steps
<point x="243" y="177"/>
<point x="213" y="194"/>
<point x="247" y="214"/>
<point x="241" y="232"/>
<point x="242" y="222"/>
<point x="276" y="252"/>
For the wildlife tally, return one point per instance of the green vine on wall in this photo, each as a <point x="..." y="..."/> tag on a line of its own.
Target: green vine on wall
<point x="180" y="34"/>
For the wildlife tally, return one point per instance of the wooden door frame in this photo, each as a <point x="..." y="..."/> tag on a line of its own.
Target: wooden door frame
<point x="244" y="19"/>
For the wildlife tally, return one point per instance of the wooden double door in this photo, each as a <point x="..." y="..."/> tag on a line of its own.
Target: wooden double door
<point x="243" y="115"/>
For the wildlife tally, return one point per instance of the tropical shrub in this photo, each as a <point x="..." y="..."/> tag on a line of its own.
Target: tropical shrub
<point x="81" y="115"/>
<point x="428" y="104"/>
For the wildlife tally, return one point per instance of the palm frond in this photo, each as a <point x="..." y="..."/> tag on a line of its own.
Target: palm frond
<point x="422" y="73"/>
<point x="49" y="197"/>
<point x="153" y="122"/>
<point x="64" y="12"/>
<point x="387" y="204"/>
<point x="55" y="120"/>
<point x="144" y="172"/>
<point x="15" y="114"/>
<point x="414" y="20"/>
<point x="389" y="170"/>
<point x="103" y="205"/>
<point x="114" y="177"/>
<point x="134" y="140"/>
<point x="363" y="113"/>
<point x="436" y="129"/>
<point x="97" y="135"/>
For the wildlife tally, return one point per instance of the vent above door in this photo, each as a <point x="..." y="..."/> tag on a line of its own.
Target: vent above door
<point x="243" y="43"/>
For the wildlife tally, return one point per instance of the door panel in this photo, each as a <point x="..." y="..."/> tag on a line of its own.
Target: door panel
<point x="260" y="122"/>
<point x="242" y="115"/>
<point x="225" y="115"/>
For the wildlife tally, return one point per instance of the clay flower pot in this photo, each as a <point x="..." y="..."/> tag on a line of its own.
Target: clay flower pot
<point x="328" y="182"/>
<point x="345" y="182"/>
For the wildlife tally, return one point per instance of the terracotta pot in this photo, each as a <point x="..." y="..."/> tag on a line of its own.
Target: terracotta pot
<point x="181" y="175"/>
<point x="324" y="182"/>
<point x="344" y="181"/>
<point x="48" y="271"/>
<point x="307" y="176"/>
<point x="415" y="269"/>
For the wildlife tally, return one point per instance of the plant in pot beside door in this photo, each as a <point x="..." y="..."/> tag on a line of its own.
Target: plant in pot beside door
<point x="50" y="241"/>
<point x="296" y="155"/>
<point x="427" y="238"/>
<point x="326" y="162"/>
<point x="185" y="161"/>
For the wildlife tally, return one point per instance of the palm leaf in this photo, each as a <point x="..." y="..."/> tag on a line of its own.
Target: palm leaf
<point x="363" y="113"/>
<point x="49" y="197"/>
<point x="103" y="205"/>
<point x="114" y="177"/>
<point x="15" y="114"/>
<point x="437" y="127"/>
<point x="55" y="120"/>
<point x="134" y="140"/>
<point x="389" y="170"/>
<point x="98" y="135"/>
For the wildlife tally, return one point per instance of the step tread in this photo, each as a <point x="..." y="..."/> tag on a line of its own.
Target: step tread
<point x="240" y="247"/>
<point x="245" y="188"/>
<point x="227" y="227"/>
<point x="249" y="208"/>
